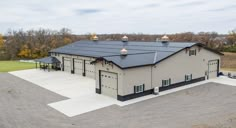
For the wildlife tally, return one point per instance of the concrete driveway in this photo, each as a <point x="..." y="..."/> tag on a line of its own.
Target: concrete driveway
<point x="81" y="90"/>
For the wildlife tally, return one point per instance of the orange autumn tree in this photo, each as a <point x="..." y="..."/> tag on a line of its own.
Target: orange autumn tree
<point x="67" y="40"/>
<point x="25" y="52"/>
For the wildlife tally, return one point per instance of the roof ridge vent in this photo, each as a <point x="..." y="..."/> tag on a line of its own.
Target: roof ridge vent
<point x="95" y="38"/>
<point x="125" y="39"/>
<point x="123" y="52"/>
<point x="165" y="39"/>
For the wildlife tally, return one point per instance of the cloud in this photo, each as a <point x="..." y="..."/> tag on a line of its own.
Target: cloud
<point x="119" y="16"/>
<point x="146" y="6"/>
<point x="88" y="11"/>
<point x="189" y="4"/>
<point x="223" y="8"/>
<point x="152" y="5"/>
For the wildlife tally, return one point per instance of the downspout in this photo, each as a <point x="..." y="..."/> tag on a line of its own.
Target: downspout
<point x="151" y="77"/>
<point x="154" y="61"/>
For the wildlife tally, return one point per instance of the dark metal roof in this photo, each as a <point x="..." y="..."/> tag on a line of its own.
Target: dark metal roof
<point x="110" y="48"/>
<point x="139" y="53"/>
<point x="48" y="60"/>
<point x="135" y="60"/>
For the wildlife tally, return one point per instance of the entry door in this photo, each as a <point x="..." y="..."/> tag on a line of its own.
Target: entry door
<point x="109" y="83"/>
<point x="67" y="64"/>
<point x="212" y="68"/>
<point x="89" y="69"/>
<point x="78" y="66"/>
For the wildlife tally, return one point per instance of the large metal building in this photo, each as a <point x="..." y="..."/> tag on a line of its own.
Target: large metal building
<point x="125" y="69"/>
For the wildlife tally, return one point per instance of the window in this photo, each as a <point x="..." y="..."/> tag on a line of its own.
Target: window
<point x="166" y="82"/>
<point x="192" y="52"/>
<point x="56" y="54"/>
<point x="188" y="77"/>
<point x="139" y="88"/>
<point x="106" y="62"/>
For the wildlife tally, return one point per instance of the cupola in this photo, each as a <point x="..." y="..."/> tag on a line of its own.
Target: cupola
<point x="95" y="38"/>
<point x="125" y="39"/>
<point x="123" y="52"/>
<point x="164" y="39"/>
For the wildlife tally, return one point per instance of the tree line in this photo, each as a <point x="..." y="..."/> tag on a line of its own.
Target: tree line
<point x="33" y="44"/>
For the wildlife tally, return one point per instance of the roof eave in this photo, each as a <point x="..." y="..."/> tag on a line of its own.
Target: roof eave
<point x="210" y="49"/>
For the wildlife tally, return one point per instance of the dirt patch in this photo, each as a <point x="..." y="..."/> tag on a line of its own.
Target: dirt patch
<point x="228" y="61"/>
<point x="228" y="122"/>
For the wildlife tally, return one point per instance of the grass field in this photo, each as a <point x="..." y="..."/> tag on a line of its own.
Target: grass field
<point x="228" y="61"/>
<point x="7" y="66"/>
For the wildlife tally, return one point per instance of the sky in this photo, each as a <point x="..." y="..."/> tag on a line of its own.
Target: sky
<point x="119" y="16"/>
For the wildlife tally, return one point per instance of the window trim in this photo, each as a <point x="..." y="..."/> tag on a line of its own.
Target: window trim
<point x="192" y="52"/>
<point x="166" y="82"/>
<point x="139" y="88"/>
<point x="188" y="77"/>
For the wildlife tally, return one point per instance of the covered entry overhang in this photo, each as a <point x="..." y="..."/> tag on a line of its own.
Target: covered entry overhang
<point x="48" y="63"/>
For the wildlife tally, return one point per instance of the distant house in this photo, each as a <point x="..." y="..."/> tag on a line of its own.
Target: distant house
<point x="126" y="69"/>
<point x="221" y="40"/>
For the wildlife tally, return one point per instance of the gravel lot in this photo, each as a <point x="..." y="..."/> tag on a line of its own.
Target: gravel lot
<point x="24" y="105"/>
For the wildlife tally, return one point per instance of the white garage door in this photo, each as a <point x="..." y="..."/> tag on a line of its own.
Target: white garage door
<point x="89" y="69"/>
<point x="109" y="84"/>
<point x="212" y="69"/>
<point x="78" y="66"/>
<point x="67" y="64"/>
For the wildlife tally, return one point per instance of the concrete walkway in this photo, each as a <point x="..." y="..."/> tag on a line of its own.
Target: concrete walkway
<point x="81" y="90"/>
<point x="83" y="104"/>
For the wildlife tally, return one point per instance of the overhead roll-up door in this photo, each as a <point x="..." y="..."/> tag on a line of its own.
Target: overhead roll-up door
<point x="212" y="68"/>
<point x="109" y="82"/>
<point x="78" y="66"/>
<point x="89" y="69"/>
<point x="67" y="64"/>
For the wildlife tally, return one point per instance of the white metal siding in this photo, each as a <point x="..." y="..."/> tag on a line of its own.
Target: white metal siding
<point x="174" y="67"/>
<point x="135" y="77"/>
<point x="181" y="64"/>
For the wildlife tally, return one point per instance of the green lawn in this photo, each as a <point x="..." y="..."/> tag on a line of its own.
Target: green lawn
<point x="7" y="66"/>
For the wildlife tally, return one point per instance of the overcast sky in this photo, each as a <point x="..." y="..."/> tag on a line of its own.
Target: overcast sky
<point x="119" y="16"/>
